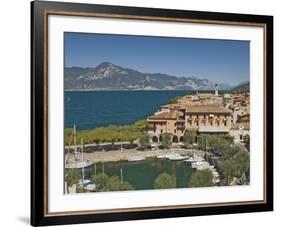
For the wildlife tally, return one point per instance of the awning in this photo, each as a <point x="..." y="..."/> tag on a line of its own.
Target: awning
<point x="213" y="129"/>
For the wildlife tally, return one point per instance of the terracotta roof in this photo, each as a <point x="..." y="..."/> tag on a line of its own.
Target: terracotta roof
<point x="164" y="116"/>
<point x="207" y="109"/>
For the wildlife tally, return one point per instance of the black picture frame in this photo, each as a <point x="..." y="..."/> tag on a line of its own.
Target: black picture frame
<point x="39" y="123"/>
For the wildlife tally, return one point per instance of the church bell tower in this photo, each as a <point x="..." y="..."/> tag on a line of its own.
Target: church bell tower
<point x="216" y="90"/>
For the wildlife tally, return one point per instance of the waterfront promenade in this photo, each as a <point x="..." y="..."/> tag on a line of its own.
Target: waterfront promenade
<point x="125" y="154"/>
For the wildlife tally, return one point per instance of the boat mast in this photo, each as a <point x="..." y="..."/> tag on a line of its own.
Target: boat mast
<point x="103" y="170"/>
<point x="121" y="139"/>
<point x="121" y="175"/>
<point x="82" y="150"/>
<point x="74" y="135"/>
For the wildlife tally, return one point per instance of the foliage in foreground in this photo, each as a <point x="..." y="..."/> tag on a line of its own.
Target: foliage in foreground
<point x="165" y="180"/>
<point x="71" y="176"/>
<point x="144" y="140"/>
<point x="106" y="183"/>
<point x="166" y="140"/>
<point x="235" y="164"/>
<point x="216" y="144"/>
<point x="202" y="178"/>
<point x="109" y="134"/>
<point x="189" y="137"/>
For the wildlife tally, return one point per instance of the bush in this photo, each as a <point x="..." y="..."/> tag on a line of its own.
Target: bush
<point x="174" y="100"/>
<point x="106" y="183"/>
<point x="108" y="134"/>
<point x="202" y="178"/>
<point x="71" y="176"/>
<point x="189" y="137"/>
<point x="144" y="141"/>
<point x="165" y="180"/>
<point x="166" y="140"/>
<point x="235" y="164"/>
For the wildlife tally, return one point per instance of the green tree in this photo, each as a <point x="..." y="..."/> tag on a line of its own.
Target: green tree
<point x="166" y="140"/>
<point x="235" y="164"/>
<point x="106" y="183"/>
<point x="165" y="180"/>
<point x="141" y="124"/>
<point x="108" y="134"/>
<point x="218" y="144"/>
<point x="71" y="176"/>
<point x="227" y="170"/>
<point x="246" y="139"/>
<point x="189" y="137"/>
<point x="174" y="100"/>
<point x="202" y="178"/>
<point x="243" y="164"/>
<point x="144" y="140"/>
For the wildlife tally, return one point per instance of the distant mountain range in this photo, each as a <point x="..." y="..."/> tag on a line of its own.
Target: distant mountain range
<point x="107" y="76"/>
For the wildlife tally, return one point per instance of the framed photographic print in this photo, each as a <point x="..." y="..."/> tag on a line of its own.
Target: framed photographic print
<point x="142" y="113"/>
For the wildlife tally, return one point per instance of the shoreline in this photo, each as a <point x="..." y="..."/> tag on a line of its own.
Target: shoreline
<point x="116" y="156"/>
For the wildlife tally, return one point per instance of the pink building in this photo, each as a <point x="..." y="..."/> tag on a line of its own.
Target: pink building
<point x="209" y="118"/>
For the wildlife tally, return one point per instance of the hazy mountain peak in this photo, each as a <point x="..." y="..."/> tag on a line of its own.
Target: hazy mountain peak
<point x="107" y="76"/>
<point x="105" y="65"/>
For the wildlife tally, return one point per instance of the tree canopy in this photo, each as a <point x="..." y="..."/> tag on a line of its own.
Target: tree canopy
<point x="189" y="137"/>
<point x="165" y="180"/>
<point x="106" y="183"/>
<point x="166" y="140"/>
<point x="108" y="134"/>
<point x="174" y="100"/>
<point x="144" y="140"/>
<point x="235" y="163"/>
<point x="202" y="178"/>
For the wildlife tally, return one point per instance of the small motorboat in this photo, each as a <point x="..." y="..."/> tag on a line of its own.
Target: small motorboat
<point x="161" y="156"/>
<point x="177" y="157"/>
<point x="88" y="185"/>
<point x="135" y="159"/>
<point x="189" y="160"/>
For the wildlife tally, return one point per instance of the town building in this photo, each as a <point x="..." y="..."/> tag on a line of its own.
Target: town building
<point x="207" y="113"/>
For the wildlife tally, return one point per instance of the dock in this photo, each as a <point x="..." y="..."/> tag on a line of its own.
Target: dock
<point x="78" y="164"/>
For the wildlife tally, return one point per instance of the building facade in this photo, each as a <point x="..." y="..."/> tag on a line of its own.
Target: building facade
<point x="206" y="113"/>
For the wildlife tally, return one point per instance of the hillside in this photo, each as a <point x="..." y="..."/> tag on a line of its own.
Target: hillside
<point x="107" y="76"/>
<point x="241" y="88"/>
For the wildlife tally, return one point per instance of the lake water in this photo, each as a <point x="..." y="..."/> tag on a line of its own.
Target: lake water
<point x="142" y="174"/>
<point x="91" y="109"/>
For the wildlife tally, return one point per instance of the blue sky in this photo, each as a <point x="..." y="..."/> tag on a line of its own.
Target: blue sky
<point x="222" y="61"/>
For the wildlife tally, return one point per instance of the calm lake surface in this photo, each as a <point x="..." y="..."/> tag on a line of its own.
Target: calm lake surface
<point x="141" y="174"/>
<point x="91" y="109"/>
